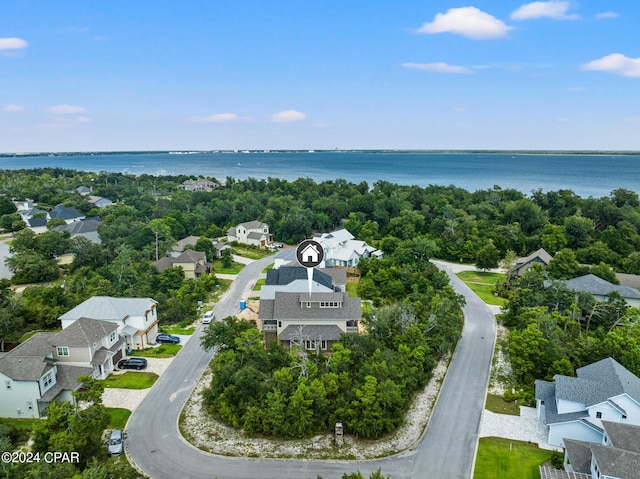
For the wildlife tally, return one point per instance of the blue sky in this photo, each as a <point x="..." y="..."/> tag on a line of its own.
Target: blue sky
<point x="250" y="74"/>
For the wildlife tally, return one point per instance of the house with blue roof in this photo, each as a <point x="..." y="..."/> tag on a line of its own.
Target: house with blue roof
<point x="574" y="408"/>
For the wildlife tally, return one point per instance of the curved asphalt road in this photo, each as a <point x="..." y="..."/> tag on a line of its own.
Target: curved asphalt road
<point x="446" y="451"/>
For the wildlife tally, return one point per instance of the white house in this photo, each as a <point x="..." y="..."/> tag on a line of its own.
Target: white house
<point x="252" y="232"/>
<point x="136" y="318"/>
<point x="342" y="249"/>
<point x="574" y="408"/>
<point x="46" y="366"/>
<point x="600" y="288"/>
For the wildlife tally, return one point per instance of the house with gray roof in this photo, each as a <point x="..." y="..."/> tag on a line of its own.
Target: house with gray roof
<point x="86" y="228"/>
<point x="600" y="288"/>
<point x="252" y="232"/>
<point x="574" y="408"/>
<point x="99" y="201"/>
<point x="293" y="316"/>
<point x="616" y="457"/>
<point x="342" y="249"/>
<point x="45" y="367"/>
<point x="193" y="263"/>
<point x="540" y="257"/>
<point x="136" y="318"/>
<point x="69" y="215"/>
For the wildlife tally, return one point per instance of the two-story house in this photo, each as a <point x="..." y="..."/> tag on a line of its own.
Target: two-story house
<point x="46" y="367"/>
<point x="574" y="408"/>
<point x="136" y="318"/>
<point x="342" y="249"/>
<point x="314" y="321"/>
<point x="252" y="232"/>
<point x="193" y="263"/>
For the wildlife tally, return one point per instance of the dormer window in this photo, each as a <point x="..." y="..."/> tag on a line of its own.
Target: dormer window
<point x="112" y="336"/>
<point x="62" y="350"/>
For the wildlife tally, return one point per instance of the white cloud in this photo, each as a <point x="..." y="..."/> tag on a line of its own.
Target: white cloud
<point x="467" y="21"/>
<point x="555" y="10"/>
<point x="615" y="63"/>
<point x="66" y="109"/>
<point x="13" y="108"/>
<point x="217" y="118"/>
<point x="12" y="43"/>
<point x="602" y="15"/>
<point x="287" y="116"/>
<point x="438" y="67"/>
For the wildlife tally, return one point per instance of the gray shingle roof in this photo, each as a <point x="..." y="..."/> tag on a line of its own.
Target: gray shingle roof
<point x="623" y="436"/>
<point x="189" y="240"/>
<point x="27" y="362"/>
<point x="80" y="227"/>
<point x="546" y="391"/>
<point x="581" y="390"/>
<point x="579" y="454"/>
<point x="66" y="380"/>
<point x="314" y="332"/>
<point x="544" y="257"/>
<point x="110" y="308"/>
<point x="83" y="332"/>
<point x="287" y="274"/>
<point x="36" y="222"/>
<point x="287" y="306"/>
<point x="591" y="283"/>
<point x="616" y="462"/>
<point x="65" y="213"/>
<point x="250" y="225"/>
<point x="614" y="377"/>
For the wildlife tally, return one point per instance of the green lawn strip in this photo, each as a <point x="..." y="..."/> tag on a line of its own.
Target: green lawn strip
<point x="131" y="380"/>
<point x="352" y="289"/>
<point x="500" y="458"/>
<point x="119" y="417"/>
<point x="268" y="268"/>
<point x="498" y="405"/>
<point x="259" y="284"/>
<point x="173" y="329"/>
<point x="26" y="336"/>
<point x="219" y="269"/>
<point x="366" y="307"/>
<point x="483" y="283"/>
<point x="162" y="351"/>
<point x="250" y="253"/>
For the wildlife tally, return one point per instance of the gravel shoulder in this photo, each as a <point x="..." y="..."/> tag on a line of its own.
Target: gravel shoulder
<point x="204" y="432"/>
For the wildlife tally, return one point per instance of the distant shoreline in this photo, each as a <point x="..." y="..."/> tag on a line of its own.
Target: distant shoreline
<point x="378" y="151"/>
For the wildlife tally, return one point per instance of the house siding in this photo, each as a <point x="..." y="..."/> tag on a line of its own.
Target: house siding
<point x="631" y="407"/>
<point x="565" y="406"/>
<point x="79" y="355"/>
<point x="572" y="430"/>
<point x="18" y="398"/>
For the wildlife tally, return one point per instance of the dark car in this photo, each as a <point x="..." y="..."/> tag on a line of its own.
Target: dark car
<point x="132" y="363"/>
<point x="167" y="338"/>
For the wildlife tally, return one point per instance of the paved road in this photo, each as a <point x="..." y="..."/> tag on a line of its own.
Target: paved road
<point x="5" y="272"/>
<point x="446" y="451"/>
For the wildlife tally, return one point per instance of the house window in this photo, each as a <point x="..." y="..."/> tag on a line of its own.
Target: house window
<point x="47" y="379"/>
<point x="8" y="385"/>
<point x="112" y="336"/>
<point x="599" y="415"/>
<point x="329" y="304"/>
<point x="63" y="350"/>
<point x="308" y="305"/>
<point x="624" y="416"/>
<point x="279" y="324"/>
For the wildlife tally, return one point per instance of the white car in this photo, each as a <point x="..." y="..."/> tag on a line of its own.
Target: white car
<point x="208" y="317"/>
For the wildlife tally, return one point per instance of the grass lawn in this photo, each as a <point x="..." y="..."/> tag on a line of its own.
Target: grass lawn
<point x="268" y="268"/>
<point x="119" y="417"/>
<point x="219" y="269"/>
<point x="352" y="289"/>
<point x="498" y="405"/>
<point x="251" y="253"/>
<point x="162" y="351"/>
<point x="26" y="336"/>
<point x="497" y="460"/>
<point x="483" y="283"/>
<point x="131" y="380"/>
<point x="259" y="284"/>
<point x="174" y="329"/>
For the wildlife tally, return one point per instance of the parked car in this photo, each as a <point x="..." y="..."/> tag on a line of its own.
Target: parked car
<point x="278" y="245"/>
<point x="165" y="338"/>
<point x="132" y="363"/>
<point x="116" y="443"/>
<point x="208" y="317"/>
